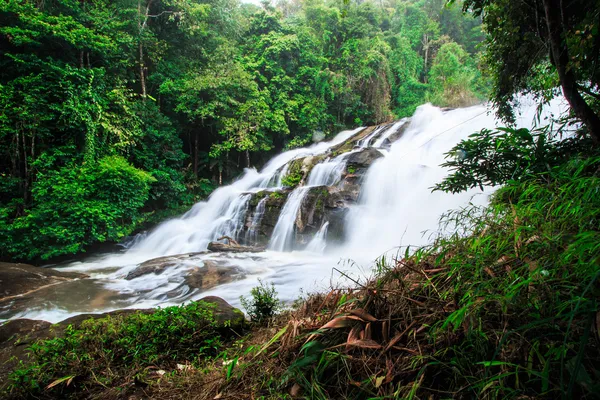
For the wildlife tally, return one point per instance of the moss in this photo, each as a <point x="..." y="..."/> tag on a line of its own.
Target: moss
<point x="257" y="197"/>
<point x="351" y="169"/>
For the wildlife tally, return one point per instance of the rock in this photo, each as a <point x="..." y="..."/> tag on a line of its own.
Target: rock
<point x="20" y="279"/>
<point x="158" y="265"/>
<point x="396" y="135"/>
<point x="363" y="159"/>
<point x="233" y="248"/>
<point x="225" y="313"/>
<point x="211" y="275"/>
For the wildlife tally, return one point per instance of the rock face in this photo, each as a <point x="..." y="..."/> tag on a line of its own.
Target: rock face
<point x="19" y="279"/>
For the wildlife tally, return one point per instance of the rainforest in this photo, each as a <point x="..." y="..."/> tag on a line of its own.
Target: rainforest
<point x="317" y="199"/>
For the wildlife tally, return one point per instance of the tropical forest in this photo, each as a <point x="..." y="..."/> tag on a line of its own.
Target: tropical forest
<point x="300" y="199"/>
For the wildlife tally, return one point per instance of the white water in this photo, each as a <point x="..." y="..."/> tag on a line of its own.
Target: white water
<point x="319" y="242"/>
<point x="395" y="208"/>
<point x="252" y="234"/>
<point x="283" y="233"/>
<point x="379" y="142"/>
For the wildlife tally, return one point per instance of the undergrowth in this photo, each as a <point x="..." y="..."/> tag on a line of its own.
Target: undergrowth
<point x="507" y="307"/>
<point x="104" y="352"/>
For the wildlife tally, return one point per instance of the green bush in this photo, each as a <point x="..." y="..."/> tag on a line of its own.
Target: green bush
<point x="263" y="304"/>
<point x="102" y="351"/>
<point x="75" y="206"/>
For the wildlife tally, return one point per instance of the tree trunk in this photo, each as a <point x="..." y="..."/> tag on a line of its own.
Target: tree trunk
<point x="142" y="68"/>
<point x="426" y="48"/>
<point x="560" y="55"/>
<point x="247" y="158"/>
<point x="196" y="155"/>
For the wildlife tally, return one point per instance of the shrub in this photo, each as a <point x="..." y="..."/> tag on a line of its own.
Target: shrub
<point x="101" y="351"/>
<point x="75" y="206"/>
<point x="263" y="304"/>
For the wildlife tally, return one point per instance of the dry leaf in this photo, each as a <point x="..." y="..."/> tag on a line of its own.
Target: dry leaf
<point x="365" y="316"/>
<point x="339" y="322"/>
<point x="365" y="344"/>
<point x="61" y="380"/>
<point x="295" y="390"/>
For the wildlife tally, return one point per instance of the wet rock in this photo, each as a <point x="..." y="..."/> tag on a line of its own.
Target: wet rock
<point x="363" y="159"/>
<point x="233" y="248"/>
<point x="211" y="274"/>
<point x="158" y="265"/>
<point x="323" y="204"/>
<point x="20" y="279"/>
<point x="396" y="135"/>
<point x="275" y="200"/>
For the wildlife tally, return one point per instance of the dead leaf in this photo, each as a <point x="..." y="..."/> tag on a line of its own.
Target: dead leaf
<point x="368" y="331"/>
<point x="68" y="378"/>
<point x="398" y="336"/>
<point x="365" y="344"/>
<point x="295" y="390"/>
<point x="339" y="322"/>
<point x="359" y="312"/>
<point x="379" y="381"/>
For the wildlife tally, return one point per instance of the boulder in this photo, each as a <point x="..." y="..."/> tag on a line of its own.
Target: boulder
<point x="211" y="274"/>
<point x="362" y="159"/>
<point x="19" y="279"/>
<point x="158" y="265"/>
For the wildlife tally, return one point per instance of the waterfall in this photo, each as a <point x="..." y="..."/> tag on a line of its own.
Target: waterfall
<point x="365" y="142"/>
<point x="328" y="173"/>
<point x="283" y="234"/>
<point x="195" y="229"/>
<point x="318" y="243"/>
<point x="232" y="223"/>
<point x="252" y="235"/>
<point x="389" y="132"/>
<point x="374" y="202"/>
<point x="397" y="206"/>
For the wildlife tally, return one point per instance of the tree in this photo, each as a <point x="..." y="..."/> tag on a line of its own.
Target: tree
<point x="530" y="38"/>
<point x="452" y="76"/>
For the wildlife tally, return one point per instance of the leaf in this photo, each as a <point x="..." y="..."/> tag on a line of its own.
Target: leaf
<point x="379" y="381"/>
<point x="273" y="340"/>
<point x="339" y="322"/>
<point x="68" y="378"/>
<point x="365" y="344"/>
<point x="230" y="367"/>
<point x="359" y="312"/>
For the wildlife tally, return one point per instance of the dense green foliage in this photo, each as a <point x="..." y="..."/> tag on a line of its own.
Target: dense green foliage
<point x="541" y="45"/>
<point x="192" y="91"/>
<point x="100" y="352"/>
<point x="494" y="157"/>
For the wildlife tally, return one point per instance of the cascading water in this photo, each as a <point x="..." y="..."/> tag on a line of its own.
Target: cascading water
<point x="252" y="234"/>
<point x="319" y="242"/>
<point x="389" y="132"/>
<point x="388" y="204"/>
<point x="284" y="230"/>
